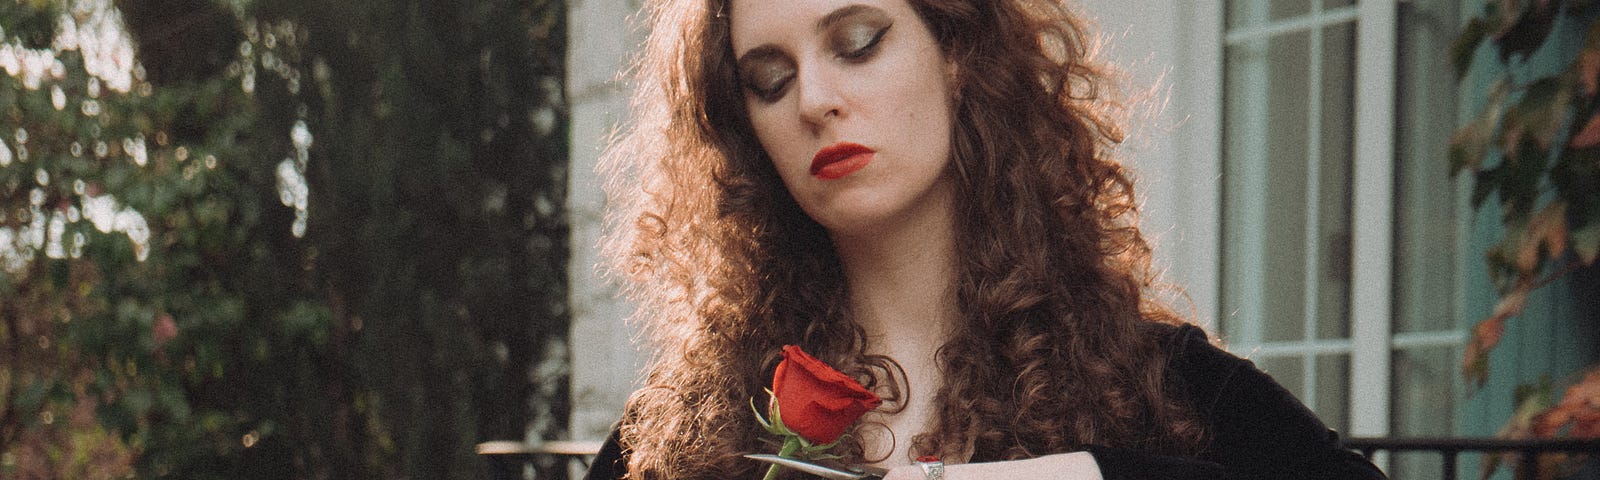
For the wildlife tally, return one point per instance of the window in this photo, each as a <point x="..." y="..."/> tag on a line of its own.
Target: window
<point x="1288" y="153"/>
<point x="1340" y="271"/>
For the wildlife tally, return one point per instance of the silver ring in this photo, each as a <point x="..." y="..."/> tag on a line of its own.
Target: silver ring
<point x="932" y="468"/>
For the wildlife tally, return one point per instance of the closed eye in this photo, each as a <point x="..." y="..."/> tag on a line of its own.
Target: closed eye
<point x="860" y="41"/>
<point x="766" y="73"/>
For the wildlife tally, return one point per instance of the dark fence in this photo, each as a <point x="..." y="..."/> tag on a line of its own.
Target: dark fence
<point x="549" y="460"/>
<point x="1449" y="448"/>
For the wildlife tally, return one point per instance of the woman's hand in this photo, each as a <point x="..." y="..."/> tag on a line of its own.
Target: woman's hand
<point x="1066" y="466"/>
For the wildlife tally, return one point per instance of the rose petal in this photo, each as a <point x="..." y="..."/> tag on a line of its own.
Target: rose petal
<point x="818" y="402"/>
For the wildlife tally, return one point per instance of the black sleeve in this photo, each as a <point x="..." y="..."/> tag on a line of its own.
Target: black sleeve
<point x="609" y="464"/>
<point x="1255" y="428"/>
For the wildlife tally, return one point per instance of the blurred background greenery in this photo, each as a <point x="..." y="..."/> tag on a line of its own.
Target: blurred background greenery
<point x="280" y="238"/>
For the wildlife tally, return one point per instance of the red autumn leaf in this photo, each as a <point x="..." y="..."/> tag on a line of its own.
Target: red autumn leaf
<point x="1579" y="409"/>
<point x="1587" y="424"/>
<point x="818" y="402"/>
<point x="1588" y="63"/>
<point x="1546" y="236"/>
<point x="1475" y="361"/>
<point x="1588" y="69"/>
<point x="1589" y="136"/>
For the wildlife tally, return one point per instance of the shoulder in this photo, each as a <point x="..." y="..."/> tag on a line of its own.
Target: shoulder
<point x="1254" y="427"/>
<point x="1247" y="412"/>
<point x="1189" y="350"/>
<point x="1189" y="343"/>
<point x="1204" y="372"/>
<point x="612" y="461"/>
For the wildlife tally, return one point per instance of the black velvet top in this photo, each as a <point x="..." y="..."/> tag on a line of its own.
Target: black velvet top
<point x="1256" y="428"/>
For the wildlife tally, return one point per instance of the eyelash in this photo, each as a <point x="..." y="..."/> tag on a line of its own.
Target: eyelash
<point x="772" y="95"/>
<point x="856" y="56"/>
<point x="867" y="49"/>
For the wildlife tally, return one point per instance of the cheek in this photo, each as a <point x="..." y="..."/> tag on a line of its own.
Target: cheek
<point x="777" y="137"/>
<point x="927" y="111"/>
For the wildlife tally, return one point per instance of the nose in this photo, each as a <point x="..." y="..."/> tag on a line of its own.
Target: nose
<point x="821" y="99"/>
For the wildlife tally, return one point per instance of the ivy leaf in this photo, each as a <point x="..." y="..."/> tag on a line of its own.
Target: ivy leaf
<point x="1471" y="142"/>
<point x="1587" y="65"/>
<point x="1529" y="29"/>
<point x="1530" y="399"/>
<point x="1519" y="180"/>
<point x="1487" y="334"/>
<point x="1475" y="362"/>
<point x="1546" y="237"/>
<point x="1539" y="114"/>
<point x="1586" y="241"/>
<point x="1483" y="184"/>
<point x="1502" y="257"/>
<point x="1589" y="135"/>
<point x="1578" y="411"/>
<point x="1466" y="45"/>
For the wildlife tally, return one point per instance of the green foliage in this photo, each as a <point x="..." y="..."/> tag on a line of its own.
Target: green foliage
<point x="30" y="22"/>
<point x="1535" y="148"/>
<point x="292" y="238"/>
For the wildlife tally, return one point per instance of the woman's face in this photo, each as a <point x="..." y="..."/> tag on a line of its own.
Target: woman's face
<point x="850" y="98"/>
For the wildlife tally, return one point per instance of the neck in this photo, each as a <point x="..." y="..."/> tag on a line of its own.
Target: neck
<point x="901" y="282"/>
<point x="901" y="279"/>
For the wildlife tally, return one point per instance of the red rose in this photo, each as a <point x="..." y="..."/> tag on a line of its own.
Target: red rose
<point x="816" y="401"/>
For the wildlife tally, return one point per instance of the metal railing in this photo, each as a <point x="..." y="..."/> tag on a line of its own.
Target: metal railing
<point x="1450" y="448"/>
<point x="507" y="459"/>
<point x="550" y="460"/>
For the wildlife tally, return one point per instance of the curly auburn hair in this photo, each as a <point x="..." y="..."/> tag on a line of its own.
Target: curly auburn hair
<point x="1054" y="352"/>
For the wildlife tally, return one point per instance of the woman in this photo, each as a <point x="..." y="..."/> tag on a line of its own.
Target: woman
<point x="919" y="193"/>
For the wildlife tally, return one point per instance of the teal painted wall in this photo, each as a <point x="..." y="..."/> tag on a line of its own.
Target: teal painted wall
<point x="1558" y="337"/>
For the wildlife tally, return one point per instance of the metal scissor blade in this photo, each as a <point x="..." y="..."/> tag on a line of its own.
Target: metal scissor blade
<point x="833" y="473"/>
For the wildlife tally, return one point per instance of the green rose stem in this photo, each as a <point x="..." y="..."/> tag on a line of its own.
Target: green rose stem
<point x="790" y="445"/>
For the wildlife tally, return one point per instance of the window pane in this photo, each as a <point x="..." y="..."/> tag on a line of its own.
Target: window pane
<point x="1425" y="232"/>
<point x="1250" y="13"/>
<point x="1335" y="180"/>
<point x="1425" y="193"/>
<point x="1427" y="466"/>
<point x="1420" y="376"/>
<point x="1333" y="391"/>
<point x="1264" y="182"/>
<point x="1423" y="403"/>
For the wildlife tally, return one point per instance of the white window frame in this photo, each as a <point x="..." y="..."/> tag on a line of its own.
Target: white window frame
<point x="1199" y="99"/>
<point x="1371" y="304"/>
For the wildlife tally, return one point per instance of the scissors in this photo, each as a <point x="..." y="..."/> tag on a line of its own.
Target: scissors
<point x="831" y="472"/>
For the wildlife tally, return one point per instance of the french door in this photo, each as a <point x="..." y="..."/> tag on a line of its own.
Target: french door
<point x="1339" y="268"/>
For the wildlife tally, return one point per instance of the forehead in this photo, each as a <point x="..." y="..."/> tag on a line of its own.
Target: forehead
<point x="757" y="22"/>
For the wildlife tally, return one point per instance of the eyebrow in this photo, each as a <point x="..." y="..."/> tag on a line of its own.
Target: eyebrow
<point x="823" y="24"/>
<point x="843" y="13"/>
<point x="755" y="54"/>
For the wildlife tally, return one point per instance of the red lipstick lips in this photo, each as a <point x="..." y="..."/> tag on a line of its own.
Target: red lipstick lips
<point x="840" y="159"/>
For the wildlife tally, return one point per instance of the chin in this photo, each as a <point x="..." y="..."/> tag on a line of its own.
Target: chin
<point x="855" y="223"/>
